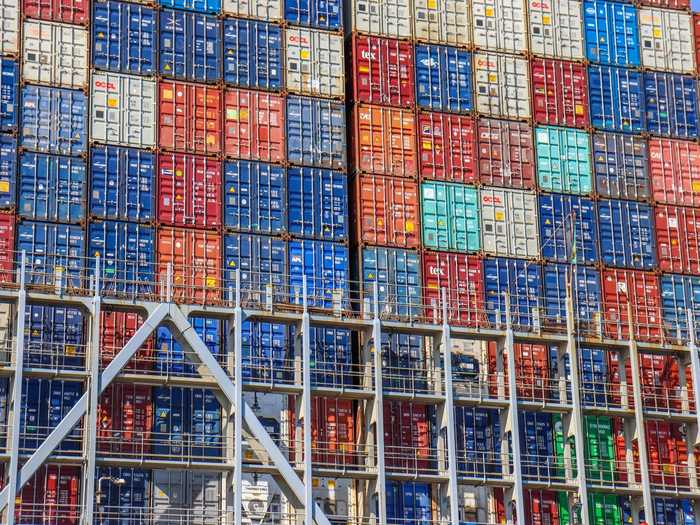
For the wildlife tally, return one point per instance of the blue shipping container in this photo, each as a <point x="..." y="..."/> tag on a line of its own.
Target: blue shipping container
<point x="408" y="503"/>
<point x="54" y="337"/>
<point x="594" y="376"/>
<point x="122" y="185"/>
<point x="321" y="14"/>
<point x="8" y="170"/>
<point x="190" y="46"/>
<point x="621" y="166"/>
<point x="679" y="293"/>
<point x="317" y="203"/>
<point x="253" y="54"/>
<point x="612" y="34"/>
<point x="673" y="512"/>
<point x="255" y="197"/>
<point x="50" y="248"/>
<point x="171" y="357"/>
<point x="478" y="440"/>
<point x="124" y="503"/>
<point x="266" y="353"/>
<point x="124" y="37"/>
<point x="52" y="188"/>
<point x="316" y="133"/>
<point x="626" y="233"/>
<point x="9" y="88"/>
<point x="404" y="363"/>
<point x="616" y="99"/>
<point x="444" y="78"/>
<point x="127" y="256"/>
<point x="54" y="120"/>
<point x="586" y="292"/>
<point x="261" y="260"/>
<point x="568" y="228"/>
<point x="671" y="105"/>
<point x="326" y="266"/>
<point x="205" y="426"/>
<point x="398" y="277"/>
<point x="200" y="6"/>
<point x="331" y="356"/>
<point x="537" y="443"/>
<point x="521" y="280"/>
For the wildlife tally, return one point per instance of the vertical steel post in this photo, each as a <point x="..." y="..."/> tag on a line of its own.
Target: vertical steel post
<point x="695" y="366"/>
<point x="306" y="402"/>
<point x="238" y="405"/>
<point x="379" y="405"/>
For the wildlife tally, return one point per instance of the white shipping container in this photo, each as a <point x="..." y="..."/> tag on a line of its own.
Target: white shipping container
<point x="179" y="494"/>
<point x="502" y="85"/>
<point x="9" y="27"/>
<point x="556" y="29"/>
<point x="315" y="63"/>
<point x="55" y="54"/>
<point x="123" y="110"/>
<point x="390" y="18"/>
<point x="667" y="40"/>
<point x="499" y="25"/>
<point x="269" y="10"/>
<point x="509" y="222"/>
<point x="443" y="21"/>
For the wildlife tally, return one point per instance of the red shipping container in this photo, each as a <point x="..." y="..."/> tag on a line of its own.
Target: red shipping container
<point x="654" y="394"/>
<point x="385" y="141"/>
<point x="495" y="377"/>
<point x="7" y="248"/>
<point x="125" y="419"/>
<point x="254" y="125"/>
<point x="641" y="290"/>
<point x="389" y="211"/>
<point x="532" y="371"/>
<point x="116" y="328"/>
<point x="667" y="4"/>
<point x="671" y="380"/>
<point x="506" y="154"/>
<point x="406" y="436"/>
<point x="68" y="11"/>
<point x="52" y="495"/>
<point x="678" y="239"/>
<point x="620" y="447"/>
<point x="674" y="169"/>
<point x="189" y="190"/>
<point x="667" y="454"/>
<point x="559" y="93"/>
<point x="696" y="24"/>
<point x="461" y="276"/>
<point x="190" y="118"/>
<point x="447" y="146"/>
<point x="196" y="262"/>
<point x="383" y="71"/>
<point x="541" y="507"/>
<point x="615" y="393"/>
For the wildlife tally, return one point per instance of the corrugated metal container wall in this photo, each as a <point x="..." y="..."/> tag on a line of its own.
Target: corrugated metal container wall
<point x="55" y="54"/>
<point x="193" y="493"/>
<point x="641" y="290"/>
<point x="173" y="358"/>
<point x="560" y="93"/>
<point x="316" y="133"/>
<point x="408" y="436"/>
<point x="326" y="266"/>
<point x="462" y="276"/>
<point x="9" y="23"/>
<point x="678" y="239"/>
<point x="264" y="348"/>
<point x="392" y="19"/>
<point x="125" y="419"/>
<point x="568" y="229"/>
<point x="612" y="35"/>
<point x="253" y="54"/>
<point x="317" y="203"/>
<point x="55" y="337"/>
<point x="52" y="493"/>
<point x="71" y="12"/>
<point x="506" y="154"/>
<point x="254" y="125"/>
<point x="671" y="105"/>
<point x="7" y="247"/>
<point x="444" y="78"/>
<point x="8" y="171"/>
<point x="678" y="295"/>
<point x="666" y="40"/>
<point x="621" y="166"/>
<point x="521" y="280"/>
<point x="264" y="9"/>
<point x="675" y="171"/>
<point x="9" y="94"/>
<point x="315" y="62"/>
<point x="445" y="22"/>
<point x="204" y="6"/>
<point x="116" y="328"/>
<point x="398" y="277"/>
<point x="509" y="222"/>
<point x="500" y="25"/>
<point x="696" y="22"/>
<point x="447" y="147"/>
<point x="408" y="502"/>
<point x="586" y="291"/>
<point x="262" y="260"/>
<point x="450" y="217"/>
<point x="626" y="233"/>
<point x="502" y="86"/>
<point x="322" y="14"/>
<point x="129" y="501"/>
<point x="563" y="160"/>
<point x="616" y="98"/>
<point x="556" y="29"/>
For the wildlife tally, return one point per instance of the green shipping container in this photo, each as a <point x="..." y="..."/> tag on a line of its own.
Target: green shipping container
<point x="450" y="215"/>
<point x="564" y="511"/>
<point x="563" y="160"/>
<point x="559" y="442"/>
<point x="604" y="509"/>
<point x="600" y="448"/>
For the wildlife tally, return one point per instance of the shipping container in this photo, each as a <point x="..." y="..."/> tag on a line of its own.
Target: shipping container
<point x="500" y="25"/>
<point x="678" y="239"/>
<point x="9" y="94"/>
<point x="679" y="294"/>
<point x="254" y="125"/>
<point x="461" y="277"/>
<point x="568" y="229"/>
<point x="408" y="436"/>
<point x="667" y="42"/>
<point x="122" y="183"/>
<point x="502" y="86"/>
<point x="626" y="234"/>
<point x="612" y="35"/>
<point x="55" y="54"/>
<point x="173" y="358"/>
<point x="506" y="154"/>
<point x="593" y="366"/>
<point x="9" y="23"/>
<point x="560" y="93"/>
<point x="393" y="18"/>
<point x="537" y="445"/>
<point x="404" y="362"/>
<point x="331" y="356"/>
<point x="563" y="160"/>
<point x="450" y="217"/>
<point x="446" y="22"/>
<point x="125" y="503"/>
<point x="387" y="211"/>
<point x="444" y="78"/>
<point x="52" y="494"/>
<point x="262" y="261"/>
<point x="408" y="503"/>
<point x="124" y="37"/>
<point x="382" y="71"/>
<point x="54" y="253"/>
<point x="190" y="46"/>
<point x="600" y="449"/>
<point x="193" y="493"/>
<point x="315" y="133"/>
<point x="315" y="62"/>
<point x="447" y="147"/>
<point x="326" y="266"/>
<point x="667" y="451"/>
<point x="200" y="6"/>
<point x="195" y="257"/>
<point x="522" y="281"/>
<point x="265" y="348"/>
<point x="556" y="29"/>
<point x="55" y="120"/>
<point x="321" y="14"/>
<point x="584" y="283"/>
<point x="125" y="420"/>
<point x="640" y="290"/>
<point x="542" y="507"/>
<point x="333" y="432"/>
<point x="317" y="204"/>
<point x="189" y="191"/>
<point x="385" y="141"/>
<point x="190" y="118"/>
<point x="675" y="171"/>
<point x="253" y="54"/>
<point x="670" y="4"/>
<point x="52" y="188"/>
<point x="616" y="98"/>
<point x="673" y="512"/>
<point x="127" y="256"/>
<point x="123" y="110"/>
<point x="267" y="10"/>
<point x="8" y="171"/>
<point x="478" y="441"/>
<point x="696" y="24"/>
<point x="54" y="337"/>
<point x="621" y="166"/>
<point x="116" y="329"/>
<point x="509" y="222"/>
<point x="398" y="277"/>
<point x="671" y="105"/>
<point x="7" y="248"/>
<point x="71" y="12"/>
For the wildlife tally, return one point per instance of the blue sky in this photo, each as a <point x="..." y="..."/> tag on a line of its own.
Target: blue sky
<point x="696" y="5"/>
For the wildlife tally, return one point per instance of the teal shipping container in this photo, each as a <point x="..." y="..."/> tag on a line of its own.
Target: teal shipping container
<point x="563" y="160"/>
<point x="450" y="217"/>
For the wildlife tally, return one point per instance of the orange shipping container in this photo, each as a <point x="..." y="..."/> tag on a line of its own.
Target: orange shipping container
<point x="125" y="419"/>
<point x="447" y="145"/>
<point x="389" y="211"/>
<point x="116" y="330"/>
<point x="254" y="125"/>
<point x="674" y="170"/>
<point x="385" y="141"/>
